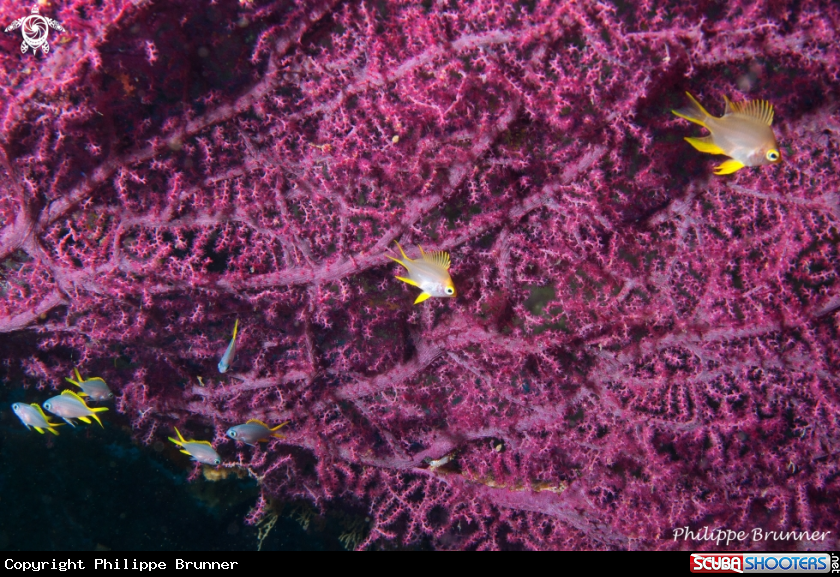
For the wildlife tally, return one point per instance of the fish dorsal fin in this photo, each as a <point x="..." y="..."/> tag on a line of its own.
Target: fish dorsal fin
<point x="760" y="110"/>
<point x="208" y="443"/>
<point x="438" y="257"/>
<point x="40" y="410"/>
<point x="256" y="422"/>
<point x="70" y="393"/>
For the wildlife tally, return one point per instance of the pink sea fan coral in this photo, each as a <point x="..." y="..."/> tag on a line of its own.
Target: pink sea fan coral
<point x="637" y="345"/>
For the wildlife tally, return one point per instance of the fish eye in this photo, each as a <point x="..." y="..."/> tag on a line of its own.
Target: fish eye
<point x="110" y="395"/>
<point x="449" y="290"/>
<point x="217" y="461"/>
<point x="232" y="434"/>
<point x="16" y="406"/>
<point x="772" y="155"/>
<point x="47" y="405"/>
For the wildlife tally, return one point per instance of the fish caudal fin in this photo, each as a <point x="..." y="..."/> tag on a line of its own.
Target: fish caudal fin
<point x="729" y="167"/>
<point x="98" y="410"/>
<point x="704" y="144"/>
<point x="274" y="432"/>
<point x="694" y="112"/>
<point x="404" y="260"/>
<point x="235" y="328"/>
<point x="180" y="441"/>
<point x="72" y="382"/>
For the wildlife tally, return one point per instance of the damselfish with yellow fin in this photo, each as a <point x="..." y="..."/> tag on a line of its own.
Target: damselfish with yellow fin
<point x="94" y="387"/>
<point x="68" y="405"/>
<point x="430" y="273"/>
<point x="201" y="451"/>
<point x="743" y="133"/>
<point x="255" y="431"/>
<point x="33" y="416"/>
<point x="230" y="352"/>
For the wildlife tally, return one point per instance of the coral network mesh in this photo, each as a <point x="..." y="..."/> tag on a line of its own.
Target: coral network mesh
<point x="637" y="345"/>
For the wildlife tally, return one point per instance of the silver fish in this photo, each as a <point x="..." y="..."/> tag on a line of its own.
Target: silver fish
<point x="430" y="273"/>
<point x="68" y="405"/>
<point x="95" y="387"/>
<point x="33" y="416"/>
<point x="227" y="358"/>
<point x="254" y="431"/>
<point x="201" y="451"/>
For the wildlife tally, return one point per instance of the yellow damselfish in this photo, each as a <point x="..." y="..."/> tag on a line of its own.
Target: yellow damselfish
<point x="430" y="273"/>
<point x="743" y="133"/>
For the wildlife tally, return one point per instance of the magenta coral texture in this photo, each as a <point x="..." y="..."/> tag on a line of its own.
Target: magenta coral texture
<point x="637" y="345"/>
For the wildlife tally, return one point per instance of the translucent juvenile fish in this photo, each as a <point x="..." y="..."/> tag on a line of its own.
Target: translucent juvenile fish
<point x="227" y="358"/>
<point x="430" y="273"/>
<point x="201" y="451"/>
<point x="95" y="387"/>
<point x="254" y="431"/>
<point x="68" y="405"/>
<point x="33" y="416"/>
<point x="743" y="133"/>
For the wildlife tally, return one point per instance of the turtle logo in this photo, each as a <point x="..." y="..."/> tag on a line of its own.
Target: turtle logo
<point x="35" y="29"/>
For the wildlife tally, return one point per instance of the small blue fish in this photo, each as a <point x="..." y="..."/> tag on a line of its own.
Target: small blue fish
<point x="227" y="358"/>
<point x="68" y="405"/>
<point x="33" y="416"/>
<point x="201" y="451"/>
<point x="254" y="432"/>
<point x="94" y="387"/>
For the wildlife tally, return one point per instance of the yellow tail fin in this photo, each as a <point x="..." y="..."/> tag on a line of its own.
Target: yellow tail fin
<point x="694" y="112"/>
<point x="405" y="257"/>
<point x="279" y="435"/>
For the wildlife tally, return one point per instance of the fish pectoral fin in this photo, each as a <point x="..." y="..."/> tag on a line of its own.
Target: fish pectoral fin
<point x="729" y="167"/>
<point x="69" y="422"/>
<point x="408" y="281"/>
<point x="423" y="296"/>
<point x="704" y="144"/>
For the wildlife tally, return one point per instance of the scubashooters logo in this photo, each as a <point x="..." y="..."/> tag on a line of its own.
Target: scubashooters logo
<point x="760" y="563"/>
<point x="35" y="29"/>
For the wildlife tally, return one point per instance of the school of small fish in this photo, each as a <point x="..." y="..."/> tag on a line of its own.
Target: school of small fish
<point x="744" y="133"/>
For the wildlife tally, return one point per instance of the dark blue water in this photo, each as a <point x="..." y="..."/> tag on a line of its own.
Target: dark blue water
<point x="96" y="489"/>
